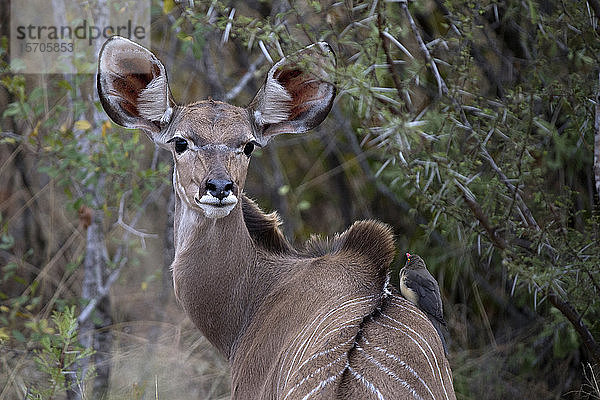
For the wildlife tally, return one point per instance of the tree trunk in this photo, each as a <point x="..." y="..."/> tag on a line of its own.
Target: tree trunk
<point x="92" y="331"/>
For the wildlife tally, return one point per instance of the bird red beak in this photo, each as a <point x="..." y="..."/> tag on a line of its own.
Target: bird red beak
<point x="408" y="256"/>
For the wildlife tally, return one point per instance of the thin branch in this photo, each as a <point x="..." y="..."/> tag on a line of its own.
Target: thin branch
<point x="135" y="220"/>
<point x="102" y="291"/>
<point x="564" y="233"/>
<point x="597" y="141"/>
<point x="573" y="316"/>
<point x="595" y="4"/>
<point x="390" y="61"/>
<point x="482" y="218"/>
<point x="278" y="8"/>
<point x="265" y="52"/>
<point x="11" y="135"/>
<point x="211" y="74"/>
<point x="529" y="219"/>
<point x="442" y="88"/>
<point x="225" y="37"/>
<point x="129" y="228"/>
<point x="397" y="43"/>
<point x="243" y="82"/>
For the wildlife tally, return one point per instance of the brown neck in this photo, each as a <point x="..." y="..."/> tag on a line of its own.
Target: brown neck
<point x="216" y="274"/>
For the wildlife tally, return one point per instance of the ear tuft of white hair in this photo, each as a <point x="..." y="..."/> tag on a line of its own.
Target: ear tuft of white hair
<point x="153" y="101"/>
<point x="276" y="100"/>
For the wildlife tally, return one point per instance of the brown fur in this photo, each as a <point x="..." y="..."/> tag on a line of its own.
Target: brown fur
<point x="264" y="228"/>
<point x="317" y="323"/>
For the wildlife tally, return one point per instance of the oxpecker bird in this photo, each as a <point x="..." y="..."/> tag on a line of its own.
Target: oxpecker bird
<point x="419" y="287"/>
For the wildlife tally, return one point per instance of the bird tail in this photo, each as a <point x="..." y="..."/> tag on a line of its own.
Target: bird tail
<point x="442" y="330"/>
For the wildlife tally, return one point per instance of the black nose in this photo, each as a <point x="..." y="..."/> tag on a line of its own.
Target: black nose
<point x="219" y="188"/>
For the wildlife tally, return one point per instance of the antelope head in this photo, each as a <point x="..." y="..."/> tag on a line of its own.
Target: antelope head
<point x="211" y="142"/>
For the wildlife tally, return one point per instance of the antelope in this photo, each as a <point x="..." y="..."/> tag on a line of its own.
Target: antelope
<point x="316" y="322"/>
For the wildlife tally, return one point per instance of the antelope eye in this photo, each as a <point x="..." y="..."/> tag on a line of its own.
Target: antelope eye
<point x="248" y="148"/>
<point x="181" y="145"/>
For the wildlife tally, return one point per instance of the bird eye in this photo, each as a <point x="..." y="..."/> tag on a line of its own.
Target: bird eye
<point x="181" y="145"/>
<point x="249" y="148"/>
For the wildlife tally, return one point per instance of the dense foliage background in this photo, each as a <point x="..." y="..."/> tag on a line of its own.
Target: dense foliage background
<point x="469" y="126"/>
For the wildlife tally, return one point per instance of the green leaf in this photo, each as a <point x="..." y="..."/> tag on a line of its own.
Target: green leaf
<point x="19" y="337"/>
<point x="6" y="242"/>
<point x="82" y="124"/>
<point x="11" y="110"/>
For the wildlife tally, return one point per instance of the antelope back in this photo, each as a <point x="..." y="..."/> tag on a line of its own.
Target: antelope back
<point x="211" y="141"/>
<point x="333" y="330"/>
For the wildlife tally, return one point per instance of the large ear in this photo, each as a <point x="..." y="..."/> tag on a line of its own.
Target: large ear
<point x="297" y="94"/>
<point x="133" y="87"/>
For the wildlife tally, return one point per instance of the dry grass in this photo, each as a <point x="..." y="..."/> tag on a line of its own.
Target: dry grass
<point x="180" y="364"/>
<point x="177" y="363"/>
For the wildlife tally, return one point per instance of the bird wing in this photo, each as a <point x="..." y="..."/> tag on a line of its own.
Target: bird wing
<point x="428" y="291"/>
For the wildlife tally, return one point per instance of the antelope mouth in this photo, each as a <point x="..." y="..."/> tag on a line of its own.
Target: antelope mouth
<point x="214" y="207"/>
